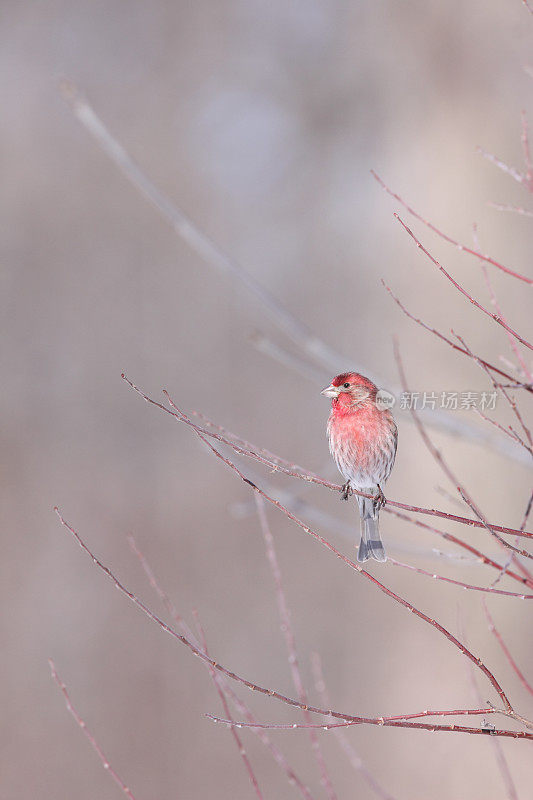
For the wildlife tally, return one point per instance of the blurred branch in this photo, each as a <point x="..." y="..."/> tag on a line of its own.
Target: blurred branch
<point x="496" y="744"/>
<point x="290" y="642"/>
<point x="225" y="706"/>
<point x="343" y="740"/>
<point x="511" y="171"/>
<point x="92" y="741"/>
<point x="195" y="238"/>
<point x="243" y="709"/>
<point x="524" y="212"/>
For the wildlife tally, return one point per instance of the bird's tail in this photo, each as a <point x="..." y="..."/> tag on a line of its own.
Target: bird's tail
<point x="371" y="545"/>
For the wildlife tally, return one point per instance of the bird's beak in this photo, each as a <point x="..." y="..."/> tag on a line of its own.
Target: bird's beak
<point x="330" y="391"/>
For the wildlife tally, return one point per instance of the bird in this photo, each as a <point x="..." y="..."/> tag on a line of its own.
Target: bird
<point x="363" y="438"/>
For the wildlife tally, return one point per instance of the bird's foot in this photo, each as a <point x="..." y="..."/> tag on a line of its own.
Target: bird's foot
<point x="379" y="500"/>
<point x="346" y="490"/>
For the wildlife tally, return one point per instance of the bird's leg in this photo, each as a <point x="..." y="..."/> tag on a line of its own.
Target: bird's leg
<point x="379" y="500"/>
<point x="346" y="490"/>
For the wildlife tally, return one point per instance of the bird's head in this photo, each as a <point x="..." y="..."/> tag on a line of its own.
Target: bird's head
<point x="349" y="389"/>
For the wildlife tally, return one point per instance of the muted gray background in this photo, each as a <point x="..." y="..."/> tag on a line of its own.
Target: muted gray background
<point x="262" y="120"/>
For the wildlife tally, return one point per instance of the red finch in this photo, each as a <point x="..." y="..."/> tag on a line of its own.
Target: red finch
<point x="362" y="439"/>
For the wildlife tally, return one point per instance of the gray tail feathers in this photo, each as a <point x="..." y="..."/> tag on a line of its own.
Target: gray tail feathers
<point x="371" y="545"/>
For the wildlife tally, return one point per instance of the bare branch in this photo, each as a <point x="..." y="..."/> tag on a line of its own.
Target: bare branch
<point x="195" y="238"/>
<point x="463" y="291"/>
<point x="452" y="344"/>
<point x="448" y="239"/>
<point x="487" y="589"/>
<point x="382" y="721"/>
<point x="92" y="741"/>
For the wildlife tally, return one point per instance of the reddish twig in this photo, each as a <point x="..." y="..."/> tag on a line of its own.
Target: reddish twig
<point x="492" y="628"/>
<point x="460" y="289"/>
<point x="483" y="558"/>
<point x="329" y="726"/>
<point x="280" y="465"/>
<point x="510" y="431"/>
<point x="512" y="343"/>
<point x="290" y="642"/>
<point x="508" y="398"/>
<point x="487" y="589"/>
<point x="381" y="721"/>
<point x="92" y="741"/>
<point x="447" y="238"/>
<point x="449" y="341"/>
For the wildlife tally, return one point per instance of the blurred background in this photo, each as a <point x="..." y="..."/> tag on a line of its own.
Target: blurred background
<point x="262" y="122"/>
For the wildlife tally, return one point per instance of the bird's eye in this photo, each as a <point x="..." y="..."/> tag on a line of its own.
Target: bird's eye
<point x="345" y="385"/>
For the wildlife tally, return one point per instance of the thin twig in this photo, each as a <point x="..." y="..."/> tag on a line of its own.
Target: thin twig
<point x="514" y="347"/>
<point x="497" y="635"/>
<point x="503" y="391"/>
<point x="482" y="557"/>
<point x="515" y="174"/>
<point x="447" y="238"/>
<point x="460" y="289"/>
<point x="92" y="741"/>
<point x="381" y="721"/>
<point x="449" y="341"/>
<point x="486" y="589"/>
